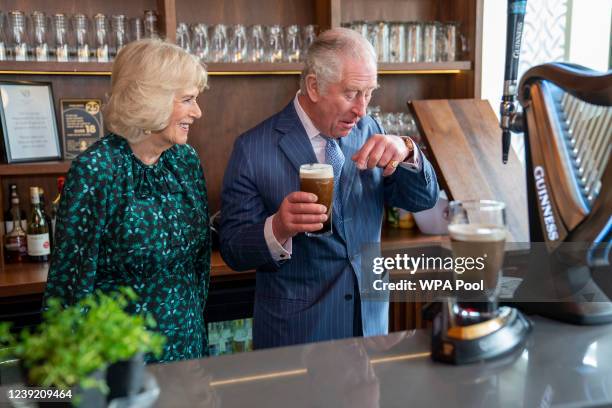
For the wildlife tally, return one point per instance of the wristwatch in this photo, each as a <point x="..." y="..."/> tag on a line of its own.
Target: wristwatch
<point x="410" y="146"/>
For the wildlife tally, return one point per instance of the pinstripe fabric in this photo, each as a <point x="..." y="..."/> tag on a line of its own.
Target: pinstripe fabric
<point x="309" y="297"/>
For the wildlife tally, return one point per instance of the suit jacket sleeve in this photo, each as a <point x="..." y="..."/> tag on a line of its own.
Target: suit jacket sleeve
<point x="243" y="245"/>
<point x="410" y="190"/>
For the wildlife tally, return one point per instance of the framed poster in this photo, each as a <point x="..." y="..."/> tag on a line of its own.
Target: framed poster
<point x="81" y="125"/>
<point x="29" y="128"/>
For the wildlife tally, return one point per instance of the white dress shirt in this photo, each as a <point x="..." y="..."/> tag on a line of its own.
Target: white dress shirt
<point x="282" y="252"/>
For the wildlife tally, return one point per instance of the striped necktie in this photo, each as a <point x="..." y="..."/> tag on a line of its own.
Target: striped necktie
<point x="335" y="157"/>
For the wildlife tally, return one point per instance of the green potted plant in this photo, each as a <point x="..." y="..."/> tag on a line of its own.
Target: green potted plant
<point x="74" y="346"/>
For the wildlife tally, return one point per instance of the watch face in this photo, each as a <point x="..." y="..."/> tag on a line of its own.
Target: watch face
<point x="409" y="144"/>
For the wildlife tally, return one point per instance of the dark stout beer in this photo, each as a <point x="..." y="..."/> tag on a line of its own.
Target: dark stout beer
<point x="318" y="178"/>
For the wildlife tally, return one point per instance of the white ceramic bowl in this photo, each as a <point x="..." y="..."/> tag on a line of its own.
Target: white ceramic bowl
<point x="435" y="220"/>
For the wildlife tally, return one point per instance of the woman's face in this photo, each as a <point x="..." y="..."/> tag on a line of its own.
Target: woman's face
<point x="185" y="112"/>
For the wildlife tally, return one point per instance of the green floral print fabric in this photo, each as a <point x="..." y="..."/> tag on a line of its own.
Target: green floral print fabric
<point x="124" y="223"/>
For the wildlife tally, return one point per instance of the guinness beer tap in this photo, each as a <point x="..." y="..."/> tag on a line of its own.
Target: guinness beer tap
<point x="511" y="121"/>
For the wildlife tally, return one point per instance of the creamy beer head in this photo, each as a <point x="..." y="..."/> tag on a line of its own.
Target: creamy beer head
<point x="477" y="232"/>
<point x="316" y="171"/>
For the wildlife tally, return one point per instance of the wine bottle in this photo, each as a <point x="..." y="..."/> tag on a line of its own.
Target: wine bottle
<point x="43" y="209"/>
<point x="8" y="218"/>
<point x="39" y="247"/>
<point x="15" y="247"/>
<point x="55" y="204"/>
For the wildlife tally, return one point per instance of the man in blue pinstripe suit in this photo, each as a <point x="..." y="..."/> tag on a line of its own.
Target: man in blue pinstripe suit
<point x="308" y="288"/>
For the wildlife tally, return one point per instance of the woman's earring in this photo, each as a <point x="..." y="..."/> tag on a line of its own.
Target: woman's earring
<point x="146" y="132"/>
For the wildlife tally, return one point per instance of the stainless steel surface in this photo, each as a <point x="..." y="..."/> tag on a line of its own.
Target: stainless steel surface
<point x="563" y="366"/>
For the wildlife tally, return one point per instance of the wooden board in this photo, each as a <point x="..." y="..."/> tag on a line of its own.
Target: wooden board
<point x="464" y="141"/>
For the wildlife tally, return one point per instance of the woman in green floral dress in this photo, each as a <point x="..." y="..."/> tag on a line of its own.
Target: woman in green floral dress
<point x="134" y="208"/>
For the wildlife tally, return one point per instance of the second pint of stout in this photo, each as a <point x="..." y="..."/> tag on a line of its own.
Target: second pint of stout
<point x="318" y="178"/>
<point x="485" y="241"/>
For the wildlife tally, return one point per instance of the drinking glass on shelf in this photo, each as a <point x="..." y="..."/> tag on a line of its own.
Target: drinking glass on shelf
<point x="429" y="41"/>
<point x="182" y="37"/>
<point x="60" y="33"/>
<point x="275" y="44"/>
<point x="390" y="123"/>
<point x="257" y="43"/>
<point x="41" y="44"/>
<point x="2" y="38"/>
<point x="136" y="29"/>
<point x="81" y="32"/>
<point x="293" y="44"/>
<point x="119" y="33"/>
<point x="150" y="24"/>
<point x="360" y="26"/>
<point x="309" y="34"/>
<point x="397" y="38"/>
<point x="375" y="113"/>
<point x="414" y="43"/>
<point x="378" y="35"/>
<point x="238" y="44"/>
<point x="18" y="37"/>
<point x="451" y="35"/>
<point x="101" y="37"/>
<point x="218" y="43"/>
<point x="200" y="44"/>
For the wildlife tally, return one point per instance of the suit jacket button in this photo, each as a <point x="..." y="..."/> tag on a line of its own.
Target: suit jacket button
<point x="348" y="297"/>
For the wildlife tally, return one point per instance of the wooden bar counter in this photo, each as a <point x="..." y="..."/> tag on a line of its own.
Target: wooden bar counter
<point x="31" y="278"/>
<point x="231" y="293"/>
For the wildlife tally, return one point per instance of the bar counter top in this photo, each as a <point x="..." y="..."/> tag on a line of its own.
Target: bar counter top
<point x="562" y="366"/>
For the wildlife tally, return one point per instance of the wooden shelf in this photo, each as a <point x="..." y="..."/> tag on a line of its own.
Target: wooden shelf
<point x="25" y="169"/>
<point x="453" y="67"/>
<point x="55" y="68"/>
<point x="397" y="236"/>
<point x="23" y="279"/>
<point x="31" y="278"/>
<point x="225" y="69"/>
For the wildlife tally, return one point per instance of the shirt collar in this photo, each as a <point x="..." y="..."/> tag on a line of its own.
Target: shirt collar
<point x="311" y="130"/>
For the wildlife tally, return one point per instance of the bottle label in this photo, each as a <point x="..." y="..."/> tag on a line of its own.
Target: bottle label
<point x="38" y="244"/>
<point x="16" y="244"/>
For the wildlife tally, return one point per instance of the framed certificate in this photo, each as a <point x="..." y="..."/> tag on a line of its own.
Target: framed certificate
<point x="29" y="128"/>
<point x="81" y="125"/>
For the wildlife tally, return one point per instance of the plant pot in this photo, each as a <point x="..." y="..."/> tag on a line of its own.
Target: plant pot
<point x="125" y="378"/>
<point x="91" y="397"/>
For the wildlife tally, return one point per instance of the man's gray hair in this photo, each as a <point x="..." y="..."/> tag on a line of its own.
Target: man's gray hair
<point x="326" y="54"/>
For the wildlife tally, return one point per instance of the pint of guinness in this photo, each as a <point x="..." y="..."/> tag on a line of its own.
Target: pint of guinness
<point x="318" y="179"/>
<point x="478" y="233"/>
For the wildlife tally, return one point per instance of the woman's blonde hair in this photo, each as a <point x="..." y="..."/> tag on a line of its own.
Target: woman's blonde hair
<point x="146" y="76"/>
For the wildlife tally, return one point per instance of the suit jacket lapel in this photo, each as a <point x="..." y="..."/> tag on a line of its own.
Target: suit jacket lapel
<point x="294" y="142"/>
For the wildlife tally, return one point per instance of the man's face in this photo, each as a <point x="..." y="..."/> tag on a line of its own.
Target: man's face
<point x="344" y="103"/>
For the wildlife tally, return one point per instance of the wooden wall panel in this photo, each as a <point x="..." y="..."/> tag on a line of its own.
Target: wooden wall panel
<point x="231" y="106"/>
<point x="247" y="12"/>
<point x="389" y="10"/>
